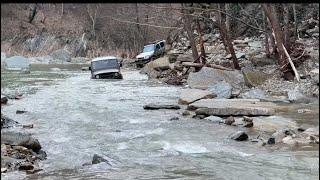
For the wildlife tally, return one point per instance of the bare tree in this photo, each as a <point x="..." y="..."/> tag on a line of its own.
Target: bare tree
<point x="92" y="10"/>
<point x="226" y="38"/>
<point x="188" y="28"/>
<point x="283" y="54"/>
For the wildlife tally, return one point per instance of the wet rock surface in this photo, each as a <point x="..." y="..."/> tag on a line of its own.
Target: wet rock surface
<point x="159" y="106"/>
<point x="191" y="95"/>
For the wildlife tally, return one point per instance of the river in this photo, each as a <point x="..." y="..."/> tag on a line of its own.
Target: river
<point x="76" y="117"/>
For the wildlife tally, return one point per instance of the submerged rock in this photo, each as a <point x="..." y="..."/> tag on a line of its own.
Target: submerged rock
<point x="157" y="106"/>
<point x="239" y="136"/>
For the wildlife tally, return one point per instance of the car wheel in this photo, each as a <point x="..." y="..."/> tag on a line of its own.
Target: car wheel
<point x="97" y="76"/>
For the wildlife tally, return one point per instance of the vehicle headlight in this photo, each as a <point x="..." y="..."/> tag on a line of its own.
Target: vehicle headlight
<point x="146" y="57"/>
<point x="116" y="74"/>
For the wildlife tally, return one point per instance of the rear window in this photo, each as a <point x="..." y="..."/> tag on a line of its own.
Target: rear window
<point x="105" y="64"/>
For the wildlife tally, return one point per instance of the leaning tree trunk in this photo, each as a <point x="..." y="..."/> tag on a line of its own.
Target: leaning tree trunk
<point x="33" y="12"/>
<point x="284" y="58"/>
<point x="201" y="43"/>
<point x="227" y="40"/>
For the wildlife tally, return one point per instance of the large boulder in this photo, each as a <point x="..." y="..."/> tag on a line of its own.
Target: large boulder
<point x="61" y="55"/>
<point x="315" y="76"/>
<point x="296" y="96"/>
<point x="191" y="95"/>
<point x="222" y="90"/>
<point x="209" y="76"/>
<point x="254" y="78"/>
<point x="20" y="139"/>
<point x="4" y="99"/>
<point x="17" y="63"/>
<point x="233" y="107"/>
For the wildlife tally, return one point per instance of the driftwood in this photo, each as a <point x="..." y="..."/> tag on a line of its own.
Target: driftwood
<point x="291" y="64"/>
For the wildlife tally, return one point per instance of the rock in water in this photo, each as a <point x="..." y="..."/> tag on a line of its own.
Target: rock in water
<point x="229" y="120"/>
<point x="17" y="63"/>
<point x="191" y="95"/>
<point x="222" y="90"/>
<point x="239" y="136"/>
<point x="209" y="76"/>
<point x="215" y="119"/>
<point x="296" y="96"/>
<point x="4" y="99"/>
<point x="157" y="106"/>
<point x="20" y="139"/>
<point x="62" y="55"/>
<point x="233" y="107"/>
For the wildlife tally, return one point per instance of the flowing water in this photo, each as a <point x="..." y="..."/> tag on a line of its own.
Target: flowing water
<point x="76" y="117"/>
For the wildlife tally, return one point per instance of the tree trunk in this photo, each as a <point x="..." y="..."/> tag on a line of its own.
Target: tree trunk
<point x="201" y="43"/>
<point x="286" y="26"/>
<point x="228" y="22"/>
<point x="33" y="12"/>
<point x="295" y="21"/>
<point x="282" y="61"/>
<point x="227" y="40"/>
<point x="188" y="27"/>
<point x="62" y="9"/>
<point x="266" y="38"/>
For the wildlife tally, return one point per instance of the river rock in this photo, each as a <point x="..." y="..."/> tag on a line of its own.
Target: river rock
<point x="20" y="139"/>
<point x="233" y="107"/>
<point x="223" y="90"/>
<point x="61" y="55"/>
<point x="296" y="96"/>
<point x="152" y="106"/>
<point x="98" y="159"/>
<point x="230" y="120"/>
<point x="209" y="76"/>
<point x="254" y="94"/>
<point x="191" y="95"/>
<point x="215" y="119"/>
<point x="312" y="131"/>
<point x="314" y="74"/>
<point x="4" y="99"/>
<point x="254" y="78"/>
<point x="239" y="136"/>
<point x="7" y="122"/>
<point x="17" y="63"/>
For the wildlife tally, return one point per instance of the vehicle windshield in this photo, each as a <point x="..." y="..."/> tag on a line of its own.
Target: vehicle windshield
<point x="105" y="64"/>
<point x="149" y="48"/>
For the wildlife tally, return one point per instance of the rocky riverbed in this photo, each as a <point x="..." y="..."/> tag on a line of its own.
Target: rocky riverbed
<point x="99" y="128"/>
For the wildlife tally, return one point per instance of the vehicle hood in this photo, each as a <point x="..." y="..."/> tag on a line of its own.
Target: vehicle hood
<point x="105" y="71"/>
<point x="142" y="55"/>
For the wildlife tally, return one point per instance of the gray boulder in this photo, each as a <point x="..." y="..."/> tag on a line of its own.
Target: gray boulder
<point x="20" y="139"/>
<point x="239" y="136"/>
<point x="315" y="76"/>
<point x="191" y="95"/>
<point x="209" y="76"/>
<point x="61" y="55"/>
<point x="17" y="63"/>
<point x="4" y="99"/>
<point x="296" y="96"/>
<point x="223" y="90"/>
<point x="215" y="119"/>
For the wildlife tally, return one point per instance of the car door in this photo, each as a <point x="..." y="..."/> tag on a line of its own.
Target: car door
<point x="157" y="51"/>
